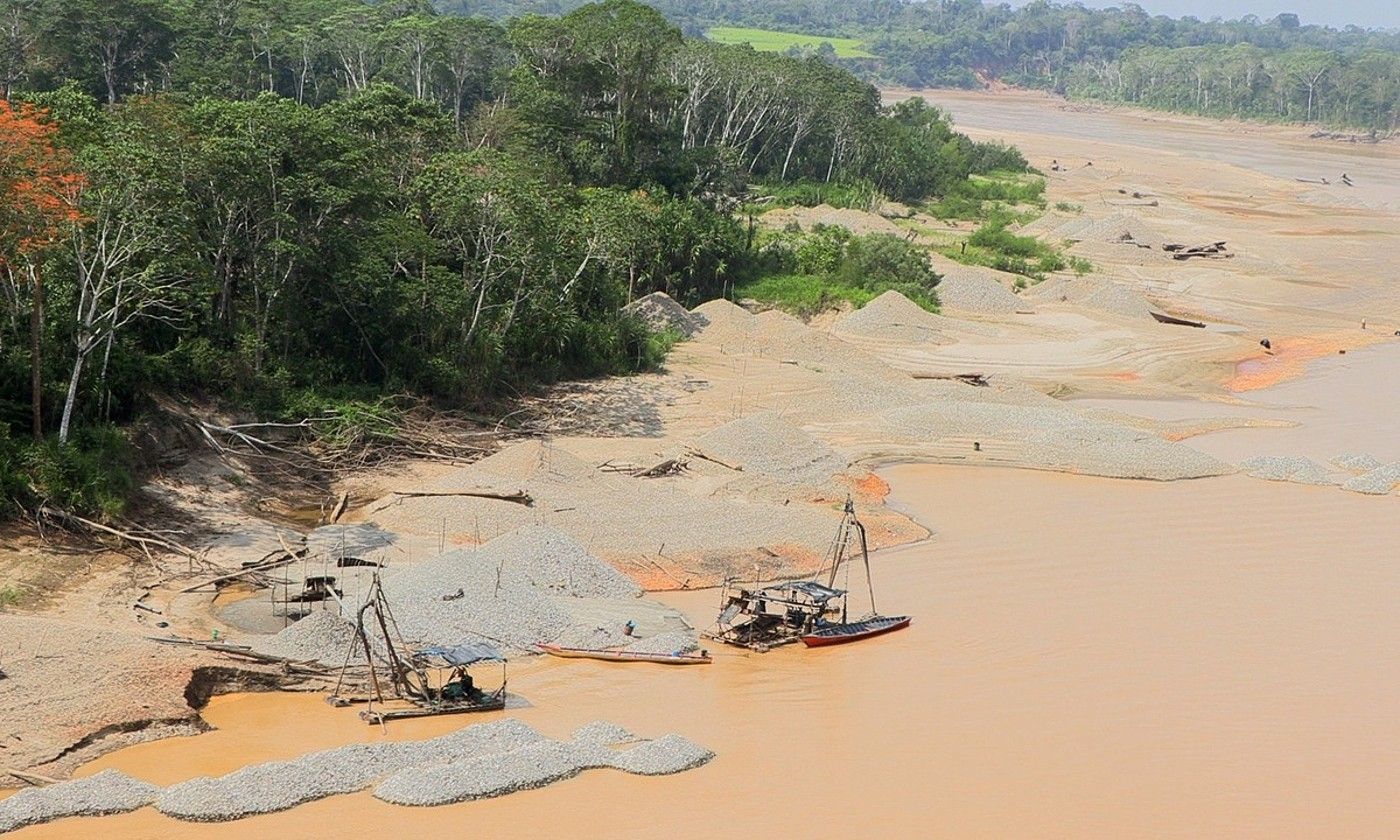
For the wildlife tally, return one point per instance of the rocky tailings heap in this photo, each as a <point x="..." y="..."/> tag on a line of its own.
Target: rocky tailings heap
<point x="895" y="318"/>
<point x="531" y="585"/>
<point x="660" y="312"/>
<point x="476" y="762"/>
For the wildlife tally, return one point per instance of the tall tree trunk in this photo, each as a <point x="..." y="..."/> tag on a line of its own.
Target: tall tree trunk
<point x="36" y="350"/>
<point x="72" y="396"/>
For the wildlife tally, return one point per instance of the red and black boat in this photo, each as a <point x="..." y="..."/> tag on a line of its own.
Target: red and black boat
<point x="763" y="618"/>
<point x="826" y="633"/>
<point x="854" y="631"/>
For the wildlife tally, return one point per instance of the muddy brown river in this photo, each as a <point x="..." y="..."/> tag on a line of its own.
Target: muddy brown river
<point x="1089" y="657"/>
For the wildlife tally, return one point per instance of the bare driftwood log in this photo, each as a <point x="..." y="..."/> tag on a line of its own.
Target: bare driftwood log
<point x="282" y="560"/>
<point x="32" y="778"/>
<point x="669" y="466"/>
<point x="142" y="541"/>
<point x="519" y="497"/>
<point x="695" y="453"/>
<point x="339" y="509"/>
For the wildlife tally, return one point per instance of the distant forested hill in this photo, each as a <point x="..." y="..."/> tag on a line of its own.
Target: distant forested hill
<point x="1274" y="69"/>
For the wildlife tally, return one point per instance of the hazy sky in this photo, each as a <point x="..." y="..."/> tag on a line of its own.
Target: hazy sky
<point x="1339" y="13"/>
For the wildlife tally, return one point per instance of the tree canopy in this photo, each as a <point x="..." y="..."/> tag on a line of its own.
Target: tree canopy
<point x="271" y="202"/>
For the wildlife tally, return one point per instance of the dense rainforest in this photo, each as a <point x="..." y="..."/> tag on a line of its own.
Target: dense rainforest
<point x="1276" y="69"/>
<point x="288" y="206"/>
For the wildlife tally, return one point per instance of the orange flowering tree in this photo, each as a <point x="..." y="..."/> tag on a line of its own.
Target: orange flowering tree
<point x="38" y="185"/>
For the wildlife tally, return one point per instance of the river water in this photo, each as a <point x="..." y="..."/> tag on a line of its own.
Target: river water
<point x="1089" y="657"/>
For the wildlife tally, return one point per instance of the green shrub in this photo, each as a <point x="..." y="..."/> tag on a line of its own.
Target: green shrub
<point x="859" y="194"/>
<point x="91" y="474"/>
<point x="806" y="273"/>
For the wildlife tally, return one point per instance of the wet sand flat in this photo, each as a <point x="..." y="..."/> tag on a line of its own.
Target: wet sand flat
<point x="1345" y="405"/>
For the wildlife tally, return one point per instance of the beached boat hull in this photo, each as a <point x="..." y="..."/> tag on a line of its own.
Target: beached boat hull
<point x="840" y="634"/>
<point x="625" y="656"/>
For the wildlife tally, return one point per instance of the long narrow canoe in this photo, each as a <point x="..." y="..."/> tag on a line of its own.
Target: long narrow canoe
<point x="702" y="658"/>
<point x="840" y="634"/>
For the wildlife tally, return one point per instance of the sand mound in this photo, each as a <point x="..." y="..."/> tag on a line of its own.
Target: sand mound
<point x="323" y="636"/>
<point x="661" y="312"/>
<point x="892" y="317"/>
<point x="979" y="290"/>
<point x="1119" y="228"/>
<point x="1095" y="293"/>
<point x="765" y="444"/>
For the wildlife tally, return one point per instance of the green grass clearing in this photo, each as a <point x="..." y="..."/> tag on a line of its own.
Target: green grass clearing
<point x="769" y="40"/>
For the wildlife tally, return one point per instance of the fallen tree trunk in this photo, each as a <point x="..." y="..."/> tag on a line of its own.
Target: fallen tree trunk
<point x="666" y="467"/>
<point x="519" y="497"/>
<point x="143" y="542"/>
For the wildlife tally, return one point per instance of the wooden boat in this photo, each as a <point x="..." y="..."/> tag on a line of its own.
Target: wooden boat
<point x="701" y="658"/>
<point x="854" y="631"/>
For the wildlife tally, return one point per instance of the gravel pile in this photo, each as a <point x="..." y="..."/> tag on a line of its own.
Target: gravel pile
<point x="1121" y="227"/>
<point x="661" y="312"/>
<point x="486" y="776"/>
<point x="323" y="636"/>
<point x="664" y="756"/>
<point x="553" y="562"/>
<point x="763" y="443"/>
<point x="108" y="792"/>
<point x="967" y="288"/>
<point x="280" y="785"/>
<point x="1096" y="294"/>
<point x="604" y="733"/>
<point x="536" y="765"/>
<point x="1376" y="482"/>
<point x="467" y="596"/>
<point x="893" y="317"/>
<point x="726" y="322"/>
<point x="666" y="643"/>
<point x="488" y="759"/>
<point x="1288" y="468"/>
<point x="1354" y="462"/>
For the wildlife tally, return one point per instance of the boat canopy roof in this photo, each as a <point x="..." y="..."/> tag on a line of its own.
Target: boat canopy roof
<point x="462" y="655"/>
<point x="810" y="588"/>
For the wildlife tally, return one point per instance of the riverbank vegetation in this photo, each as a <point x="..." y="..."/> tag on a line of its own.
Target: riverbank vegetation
<point x="293" y="208"/>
